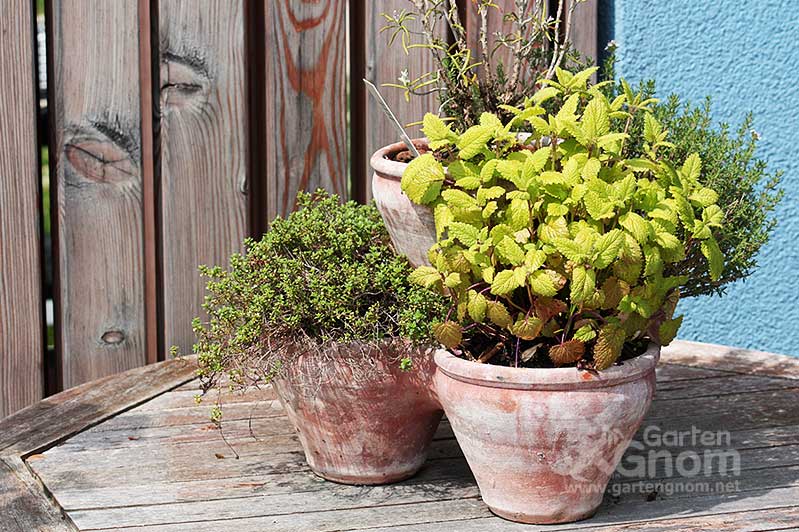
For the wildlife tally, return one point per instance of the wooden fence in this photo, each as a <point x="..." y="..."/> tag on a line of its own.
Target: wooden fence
<point x="175" y="129"/>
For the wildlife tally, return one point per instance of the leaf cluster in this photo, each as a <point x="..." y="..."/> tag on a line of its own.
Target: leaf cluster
<point x="748" y="191"/>
<point x="324" y="275"/>
<point x="552" y="241"/>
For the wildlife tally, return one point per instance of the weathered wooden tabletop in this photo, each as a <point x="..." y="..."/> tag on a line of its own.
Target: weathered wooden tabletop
<point x="134" y="452"/>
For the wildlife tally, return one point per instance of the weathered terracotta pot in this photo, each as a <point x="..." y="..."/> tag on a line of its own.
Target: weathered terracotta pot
<point x="543" y="443"/>
<point x="368" y="425"/>
<point x="410" y="226"/>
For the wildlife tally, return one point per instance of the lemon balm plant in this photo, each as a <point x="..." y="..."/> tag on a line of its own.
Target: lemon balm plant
<point x="560" y="256"/>
<point x="553" y="243"/>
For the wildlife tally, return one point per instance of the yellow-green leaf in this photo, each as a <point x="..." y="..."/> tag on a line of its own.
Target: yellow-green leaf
<point x="504" y="283"/>
<point x="449" y="334"/>
<point x="498" y="314"/>
<point x="477" y="306"/>
<point x="715" y="260"/>
<point x="510" y="252"/>
<point x="422" y="179"/>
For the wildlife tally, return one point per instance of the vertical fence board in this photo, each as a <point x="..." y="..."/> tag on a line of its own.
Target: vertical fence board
<point x="96" y="118"/>
<point x="494" y="22"/>
<point x="204" y="147"/>
<point x="584" y="35"/>
<point x="384" y="64"/>
<point x="306" y="114"/>
<point x="21" y="329"/>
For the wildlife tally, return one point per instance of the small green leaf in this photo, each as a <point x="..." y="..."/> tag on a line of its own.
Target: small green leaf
<point x="510" y="252"/>
<point x="449" y="334"/>
<point x="504" y="283"/>
<point x="476" y="306"/>
<point x="459" y="199"/>
<point x="704" y="197"/>
<point x="636" y="225"/>
<point x="541" y="284"/>
<point x="465" y="233"/>
<point x="498" y="314"/>
<point x="422" y="179"/>
<point x="598" y="208"/>
<point x="607" y="248"/>
<point x="583" y="284"/>
<point x="474" y="140"/>
<point x="692" y="167"/>
<point x="442" y="215"/>
<point x="426" y="276"/>
<point x="715" y="259"/>
<point x="437" y="132"/>
<point x="667" y="331"/>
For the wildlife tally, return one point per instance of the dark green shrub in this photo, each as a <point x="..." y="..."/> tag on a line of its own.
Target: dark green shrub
<point x="324" y="275"/>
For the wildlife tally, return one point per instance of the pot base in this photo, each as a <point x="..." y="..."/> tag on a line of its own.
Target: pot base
<point x="366" y="480"/>
<point x="529" y="519"/>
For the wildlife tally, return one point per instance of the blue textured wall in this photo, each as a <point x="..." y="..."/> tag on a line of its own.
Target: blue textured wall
<point x="745" y="55"/>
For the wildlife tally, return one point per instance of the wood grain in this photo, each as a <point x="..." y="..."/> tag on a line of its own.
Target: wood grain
<point x="62" y="415"/>
<point x="384" y="64"/>
<point x="96" y="116"/>
<point x="204" y="151"/>
<point x="585" y="29"/>
<point x="24" y="505"/>
<point x="21" y="305"/>
<point x="306" y="122"/>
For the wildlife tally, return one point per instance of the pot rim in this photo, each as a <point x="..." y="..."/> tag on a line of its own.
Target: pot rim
<point x="546" y="378"/>
<point x="385" y="167"/>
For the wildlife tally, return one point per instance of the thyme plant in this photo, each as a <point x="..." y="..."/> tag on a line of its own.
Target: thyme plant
<point x="323" y="282"/>
<point x="556" y="248"/>
<point x="500" y="69"/>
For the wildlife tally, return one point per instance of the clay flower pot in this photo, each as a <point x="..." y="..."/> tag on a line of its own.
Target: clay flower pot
<point x="410" y="226"/>
<point x="365" y="422"/>
<point x="543" y="443"/>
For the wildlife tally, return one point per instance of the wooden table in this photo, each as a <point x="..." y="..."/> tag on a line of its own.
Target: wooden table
<point x="134" y="452"/>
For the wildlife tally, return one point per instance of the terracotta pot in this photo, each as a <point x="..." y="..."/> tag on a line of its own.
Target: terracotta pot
<point x="543" y="443"/>
<point x="410" y="226"/>
<point x="368" y="425"/>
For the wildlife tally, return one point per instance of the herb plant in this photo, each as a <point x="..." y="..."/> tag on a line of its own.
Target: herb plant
<point x="554" y="242"/>
<point x="499" y="70"/>
<point x="324" y="281"/>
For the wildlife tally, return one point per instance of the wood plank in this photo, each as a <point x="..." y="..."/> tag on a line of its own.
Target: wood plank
<point x="182" y="398"/>
<point x="306" y="108"/>
<point x="676" y="372"/>
<point x="746" y="521"/>
<point x="388" y="518"/>
<point x="96" y="118"/>
<point x="719" y="357"/>
<point x="495" y="22"/>
<point x="585" y="28"/>
<point x="24" y="504"/>
<point x="384" y="64"/>
<point x="62" y="415"/>
<point x="21" y="305"/>
<point x="204" y="151"/>
<point x="306" y="483"/>
<point x="181" y="463"/>
<point x="731" y="384"/>
<point x="440" y="481"/>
